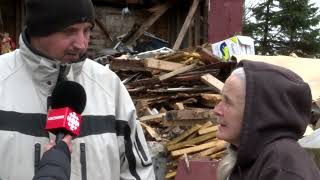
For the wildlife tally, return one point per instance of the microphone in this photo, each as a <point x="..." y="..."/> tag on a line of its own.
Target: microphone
<point x="68" y="101"/>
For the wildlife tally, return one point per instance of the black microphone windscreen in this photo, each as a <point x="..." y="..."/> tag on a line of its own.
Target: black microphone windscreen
<point x="69" y="94"/>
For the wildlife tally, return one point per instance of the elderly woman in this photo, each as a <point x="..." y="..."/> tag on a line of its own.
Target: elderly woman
<point x="264" y="111"/>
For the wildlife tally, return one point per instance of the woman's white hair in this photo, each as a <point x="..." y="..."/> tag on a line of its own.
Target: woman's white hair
<point x="239" y="72"/>
<point x="227" y="164"/>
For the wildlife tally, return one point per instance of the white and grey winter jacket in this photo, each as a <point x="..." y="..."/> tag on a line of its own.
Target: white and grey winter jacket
<point x="111" y="145"/>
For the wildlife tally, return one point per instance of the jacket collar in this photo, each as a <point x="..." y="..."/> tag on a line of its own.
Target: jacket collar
<point x="44" y="70"/>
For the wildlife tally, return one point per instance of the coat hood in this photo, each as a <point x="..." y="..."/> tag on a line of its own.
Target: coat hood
<point x="278" y="105"/>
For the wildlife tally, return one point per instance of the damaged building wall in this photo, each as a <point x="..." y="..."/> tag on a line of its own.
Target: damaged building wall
<point x="116" y="24"/>
<point x="166" y="27"/>
<point x="11" y="17"/>
<point x="225" y="19"/>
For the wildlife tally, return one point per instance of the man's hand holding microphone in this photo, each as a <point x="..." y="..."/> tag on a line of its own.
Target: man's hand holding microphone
<point x="68" y="101"/>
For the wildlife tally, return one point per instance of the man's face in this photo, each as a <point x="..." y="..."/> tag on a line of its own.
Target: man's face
<point x="230" y="110"/>
<point x="66" y="46"/>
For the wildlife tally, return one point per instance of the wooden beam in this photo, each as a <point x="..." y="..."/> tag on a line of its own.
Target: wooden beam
<point x="218" y="154"/>
<point x="171" y="175"/>
<point x="197" y="28"/>
<point x="152" y="117"/>
<point x="208" y="130"/>
<point x="178" y="106"/>
<point x="212" y="82"/>
<point x="186" y="24"/>
<point x="207" y="152"/>
<point x="178" y="71"/>
<point x="162" y="65"/>
<point x="206" y="125"/>
<point x="192" y="142"/>
<point x="219" y="145"/>
<point x="149" y="22"/>
<point x="104" y="30"/>
<point x="151" y="131"/>
<point x="189" y="122"/>
<point x="189" y="114"/>
<point x="185" y="134"/>
<point x="207" y="56"/>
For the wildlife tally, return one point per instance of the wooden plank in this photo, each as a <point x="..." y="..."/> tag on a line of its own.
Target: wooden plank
<point x="152" y="117"/>
<point x="210" y="100"/>
<point x="127" y="65"/>
<point x="207" y="152"/>
<point x="212" y="82"/>
<point x="149" y="22"/>
<point x="184" y="134"/>
<point x="208" y="130"/>
<point x="218" y="145"/>
<point x="218" y="154"/>
<point x="211" y="97"/>
<point x="151" y="131"/>
<point x="104" y="30"/>
<point x="171" y="175"/>
<point x="189" y="114"/>
<point x="178" y="71"/>
<point x="186" y="24"/>
<point x="178" y="106"/>
<point x="190" y="142"/>
<point x="206" y="125"/>
<point x="162" y="65"/>
<point x="190" y="35"/>
<point x="189" y="122"/>
<point x="194" y="135"/>
<point x="207" y="56"/>
<point x="197" y="28"/>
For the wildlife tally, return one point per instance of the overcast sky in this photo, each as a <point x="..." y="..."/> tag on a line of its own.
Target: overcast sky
<point x="316" y="1"/>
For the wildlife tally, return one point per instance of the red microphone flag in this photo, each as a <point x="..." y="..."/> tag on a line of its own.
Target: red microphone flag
<point x="64" y="118"/>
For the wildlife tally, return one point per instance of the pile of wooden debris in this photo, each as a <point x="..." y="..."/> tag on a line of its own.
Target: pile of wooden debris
<point x="174" y="94"/>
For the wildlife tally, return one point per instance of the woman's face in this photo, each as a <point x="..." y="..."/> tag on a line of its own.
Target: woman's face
<point x="230" y="110"/>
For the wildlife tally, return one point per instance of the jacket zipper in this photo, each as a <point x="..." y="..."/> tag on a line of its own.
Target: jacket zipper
<point x="37" y="153"/>
<point x="83" y="161"/>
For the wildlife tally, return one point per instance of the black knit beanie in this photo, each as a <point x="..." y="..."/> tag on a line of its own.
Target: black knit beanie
<point x="45" y="17"/>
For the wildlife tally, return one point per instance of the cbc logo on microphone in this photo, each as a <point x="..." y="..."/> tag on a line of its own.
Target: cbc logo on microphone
<point x="73" y="121"/>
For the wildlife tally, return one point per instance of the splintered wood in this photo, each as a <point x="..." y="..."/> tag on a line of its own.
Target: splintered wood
<point x="197" y="142"/>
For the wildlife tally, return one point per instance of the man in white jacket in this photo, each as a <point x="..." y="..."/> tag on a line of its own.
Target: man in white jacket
<point x="52" y="49"/>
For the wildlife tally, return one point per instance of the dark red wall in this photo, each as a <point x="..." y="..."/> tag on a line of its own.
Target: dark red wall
<point x="224" y="19"/>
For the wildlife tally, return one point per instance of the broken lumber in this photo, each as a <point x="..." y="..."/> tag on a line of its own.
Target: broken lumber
<point x="185" y="134"/>
<point x="179" y="106"/>
<point x="161" y="10"/>
<point x="171" y="175"/>
<point x="178" y="71"/>
<point x="152" y="117"/>
<point x="186" y="24"/>
<point x="189" y="122"/>
<point x="213" y="98"/>
<point x="162" y="65"/>
<point x="206" y="125"/>
<point x="207" y="152"/>
<point x="151" y="131"/>
<point x="190" y="114"/>
<point x="212" y="82"/>
<point x="218" y="155"/>
<point x="193" y="141"/>
<point x="208" y="130"/>
<point x="219" y="145"/>
<point x="207" y="56"/>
